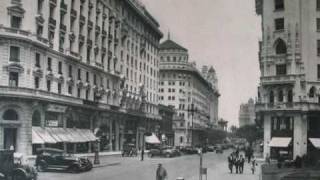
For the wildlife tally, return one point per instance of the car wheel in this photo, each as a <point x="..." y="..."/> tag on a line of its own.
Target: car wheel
<point x="19" y="176"/>
<point x="74" y="169"/>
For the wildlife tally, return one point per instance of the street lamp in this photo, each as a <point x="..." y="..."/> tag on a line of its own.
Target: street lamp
<point x="192" y="110"/>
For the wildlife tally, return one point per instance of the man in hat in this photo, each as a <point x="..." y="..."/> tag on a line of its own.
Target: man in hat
<point x="161" y="173"/>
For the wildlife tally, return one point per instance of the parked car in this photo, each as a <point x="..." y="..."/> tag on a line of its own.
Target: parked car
<point x="56" y="159"/>
<point x="129" y="150"/>
<point x="12" y="168"/>
<point x="211" y="148"/>
<point x="219" y="149"/>
<point x="164" y="152"/>
<point x="188" y="150"/>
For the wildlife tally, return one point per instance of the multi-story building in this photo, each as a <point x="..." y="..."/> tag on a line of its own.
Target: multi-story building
<point x="288" y="99"/>
<point x="247" y="114"/>
<point x="61" y="64"/>
<point x="183" y="87"/>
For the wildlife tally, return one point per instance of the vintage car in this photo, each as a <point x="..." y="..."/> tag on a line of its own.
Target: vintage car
<point x="56" y="159"/>
<point x="219" y="148"/>
<point x="12" y="168"/>
<point x="166" y="151"/>
<point x="188" y="150"/>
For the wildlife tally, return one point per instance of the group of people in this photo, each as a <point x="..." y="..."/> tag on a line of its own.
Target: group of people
<point x="237" y="161"/>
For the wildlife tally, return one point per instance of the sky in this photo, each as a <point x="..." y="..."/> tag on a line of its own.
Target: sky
<point x="221" y="33"/>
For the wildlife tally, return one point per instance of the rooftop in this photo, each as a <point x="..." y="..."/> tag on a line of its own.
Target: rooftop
<point x="169" y="44"/>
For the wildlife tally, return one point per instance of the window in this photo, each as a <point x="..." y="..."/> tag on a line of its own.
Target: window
<point x="312" y="92"/>
<point x="290" y="96"/>
<point x="49" y="64"/>
<point x="79" y="74"/>
<point x="60" y="67"/>
<point x="318" y="24"/>
<point x="39" y="30"/>
<point x="48" y="85"/>
<point x="318" y="5"/>
<point x="281" y="69"/>
<point x="70" y="71"/>
<point x="70" y="89"/>
<point x="280" y="96"/>
<point x="87" y="76"/>
<point x="59" y="88"/>
<point x="37" y="60"/>
<point x="271" y="97"/>
<point x="279" y="4"/>
<point x="318" y="71"/>
<point x="15" y="22"/>
<point x="10" y="115"/>
<point x="13" y="79"/>
<point x="318" y="47"/>
<point x="78" y="92"/>
<point x="36" y="82"/>
<point x="279" y="24"/>
<point x="36" y="118"/>
<point x="87" y="94"/>
<point x="173" y="98"/>
<point x="14" y="54"/>
<point x="281" y="47"/>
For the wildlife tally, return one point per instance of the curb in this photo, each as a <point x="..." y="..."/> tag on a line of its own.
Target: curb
<point x="105" y="165"/>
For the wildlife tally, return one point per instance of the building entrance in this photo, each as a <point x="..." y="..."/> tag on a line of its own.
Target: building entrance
<point x="10" y="138"/>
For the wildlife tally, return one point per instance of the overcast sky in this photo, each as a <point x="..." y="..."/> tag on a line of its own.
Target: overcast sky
<point x="221" y="33"/>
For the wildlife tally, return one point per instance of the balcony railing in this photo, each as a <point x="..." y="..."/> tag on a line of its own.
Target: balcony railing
<point x="89" y="42"/>
<point x="280" y="79"/>
<point x="98" y="29"/>
<point x="52" y="22"/>
<point x="90" y="24"/>
<point x="63" y="28"/>
<point x="82" y="19"/>
<point x="74" y="13"/>
<point x="63" y="7"/>
<point x="53" y="2"/>
<point x="81" y="38"/>
<point x="104" y="33"/>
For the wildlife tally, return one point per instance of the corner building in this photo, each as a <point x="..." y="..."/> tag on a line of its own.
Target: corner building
<point x="193" y="97"/>
<point x="288" y="99"/>
<point x="69" y="70"/>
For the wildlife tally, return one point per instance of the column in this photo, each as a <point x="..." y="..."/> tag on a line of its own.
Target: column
<point x="110" y="135"/>
<point x="117" y="136"/>
<point x="300" y="132"/>
<point x="267" y="135"/>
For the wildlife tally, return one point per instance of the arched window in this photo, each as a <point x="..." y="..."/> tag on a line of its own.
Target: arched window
<point x="36" y="118"/>
<point x="312" y="92"/>
<point x="10" y="115"/>
<point x="271" y="97"/>
<point x="181" y="139"/>
<point x="280" y="96"/>
<point x="290" y="96"/>
<point x="281" y="47"/>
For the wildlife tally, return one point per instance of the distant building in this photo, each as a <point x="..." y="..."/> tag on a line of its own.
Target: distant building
<point x="247" y="113"/>
<point x="223" y="124"/>
<point x="184" y="87"/>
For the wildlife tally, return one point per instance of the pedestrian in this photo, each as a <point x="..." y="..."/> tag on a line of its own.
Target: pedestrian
<point x="241" y="164"/>
<point x="253" y="164"/>
<point x="230" y="162"/>
<point x="161" y="173"/>
<point x="268" y="161"/>
<point x="142" y="153"/>
<point x="237" y="163"/>
<point x="250" y="154"/>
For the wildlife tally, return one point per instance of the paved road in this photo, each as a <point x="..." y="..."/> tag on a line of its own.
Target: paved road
<point x="133" y="169"/>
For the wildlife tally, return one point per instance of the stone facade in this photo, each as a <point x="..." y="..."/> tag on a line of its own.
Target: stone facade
<point x="288" y="98"/>
<point x="247" y="113"/>
<point x="95" y="57"/>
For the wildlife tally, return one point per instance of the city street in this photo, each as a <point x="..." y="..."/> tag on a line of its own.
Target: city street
<point x="186" y="166"/>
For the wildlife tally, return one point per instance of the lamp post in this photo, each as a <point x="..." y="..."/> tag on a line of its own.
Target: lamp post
<point x="192" y="110"/>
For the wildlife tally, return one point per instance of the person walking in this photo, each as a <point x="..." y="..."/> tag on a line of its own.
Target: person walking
<point x="142" y="153"/>
<point x="230" y="162"/>
<point x="161" y="173"/>
<point x="253" y="164"/>
<point x="241" y="164"/>
<point x="237" y="163"/>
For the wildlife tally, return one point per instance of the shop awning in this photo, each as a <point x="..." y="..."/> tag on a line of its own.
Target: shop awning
<point x="36" y="139"/>
<point x="315" y="142"/>
<point x="44" y="134"/>
<point x="60" y="134"/>
<point x="89" y="134"/>
<point x="76" y="137"/>
<point x="153" y="139"/>
<point x="280" y="142"/>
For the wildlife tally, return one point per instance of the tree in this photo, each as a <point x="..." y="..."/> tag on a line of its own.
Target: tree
<point x="215" y="135"/>
<point x="250" y="132"/>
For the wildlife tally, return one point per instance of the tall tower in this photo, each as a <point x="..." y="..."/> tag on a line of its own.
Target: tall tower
<point x="288" y="97"/>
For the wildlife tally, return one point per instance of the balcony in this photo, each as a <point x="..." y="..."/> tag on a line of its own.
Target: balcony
<point x="63" y="7"/>
<point x="53" y="2"/>
<point x="89" y="42"/>
<point x="103" y="50"/>
<point x="109" y="54"/>
<point x="63" y="28"/>
<point x="280" y="79"/>
<point x="98" y="29"/>
<point x="73" y="14"/>
<point x="82" y="20"/>
<point x="52" y="22"/>
<point x="81" y="39"/>
<point x="90" y="24"/>
<point x="110" y="37"/>
<point x="288" y="106"/>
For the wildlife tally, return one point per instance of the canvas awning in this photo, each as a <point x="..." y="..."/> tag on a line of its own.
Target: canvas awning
<point x="315" y="142"/>
<point x="36" y="139"/>
<point x="60" y="134"/>
<point x="88" y="134"/>
<point x="280" y="142"/>
<point x="153" y="139"/>
<point x="44" y="134"/>
<point x="75" y="135"/>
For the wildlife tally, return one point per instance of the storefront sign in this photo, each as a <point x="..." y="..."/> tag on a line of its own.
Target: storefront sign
<point x="56" y="108"/>
<point x="52" y="123"/>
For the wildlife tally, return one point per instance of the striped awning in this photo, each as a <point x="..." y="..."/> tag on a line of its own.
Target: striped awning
<point x="315" y="142"/>
<point x="36" y="139"/>
<point x="44" y="135"/>
<point x="280" y="142"/>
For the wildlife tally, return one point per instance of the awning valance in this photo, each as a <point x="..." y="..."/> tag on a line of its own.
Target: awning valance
<point x="315" y="142"/>
<point x="280" y="142"/>
<point x="44" y="134"/>
<point x="153" y="139"/>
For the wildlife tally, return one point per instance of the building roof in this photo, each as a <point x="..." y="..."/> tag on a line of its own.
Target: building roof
<point x="169" y="44"/>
